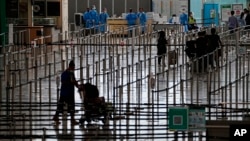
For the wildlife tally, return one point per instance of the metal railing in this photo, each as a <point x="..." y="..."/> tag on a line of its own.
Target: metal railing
<point x="124" y="69"/>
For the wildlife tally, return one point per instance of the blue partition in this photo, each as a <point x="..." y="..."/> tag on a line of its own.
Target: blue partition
<point x="210" y="14"/>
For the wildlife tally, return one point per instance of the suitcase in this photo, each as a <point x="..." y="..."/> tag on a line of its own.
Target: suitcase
<point x="172" y="57"/>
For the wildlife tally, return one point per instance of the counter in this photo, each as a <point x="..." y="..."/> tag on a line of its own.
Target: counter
<point x="118" y="24"/>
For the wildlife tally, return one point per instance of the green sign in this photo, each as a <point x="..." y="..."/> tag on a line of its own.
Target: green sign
<point x="187" y="118"/>
<point x="178" y="118"/>
<point x="225" y="11"/>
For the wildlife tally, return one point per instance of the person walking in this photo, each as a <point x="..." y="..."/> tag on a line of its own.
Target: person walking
<point x="131" y="19"/>
<point x="161" y="47"/>
<point x="103" y="20"/>
<point x="214" y="44"/>
<point x="142" y="19"/>
<point x="67" y="96"/>
<point x="201" y="50"/>
<point x="232" y="22"/>
<point x="184" y="20"/>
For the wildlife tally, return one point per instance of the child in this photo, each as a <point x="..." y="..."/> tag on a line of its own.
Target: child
<point x="161" y="46"/>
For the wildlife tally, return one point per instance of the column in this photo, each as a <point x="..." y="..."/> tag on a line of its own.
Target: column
<point x="30" y="13"/>
<point x="3" y="28"/>
<point x="3" y="16"/>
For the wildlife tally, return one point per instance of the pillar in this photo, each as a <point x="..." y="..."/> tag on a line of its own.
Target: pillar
<point x="30" y="12"/>
<point x="64" y="18"/>
<point x="3" y="28"/>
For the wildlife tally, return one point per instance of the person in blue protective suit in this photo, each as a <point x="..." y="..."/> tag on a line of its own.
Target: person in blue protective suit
<point x="172" y="19"/>
<point x="184" y="20"/>
<point x="142" y="19"/>
<point x="131" y="19"/>
<point x="87" y="18"/>
<point x="94" y="18"/>
<point x="103" y="20"/>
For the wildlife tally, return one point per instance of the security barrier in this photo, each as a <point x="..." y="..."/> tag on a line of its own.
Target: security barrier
<point x="126" y="71"/>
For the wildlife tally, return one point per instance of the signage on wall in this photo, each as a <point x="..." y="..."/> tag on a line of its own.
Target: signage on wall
<point x="190" y="118"/>
<point x="237" y="8"/>
<point x="197" y="120"/>
<point x="178" y="118"/>
<point x="225" y="12"/>
<point x="212" y="13"/>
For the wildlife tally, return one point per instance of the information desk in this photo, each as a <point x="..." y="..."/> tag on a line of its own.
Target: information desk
<point x="119" y="24"/>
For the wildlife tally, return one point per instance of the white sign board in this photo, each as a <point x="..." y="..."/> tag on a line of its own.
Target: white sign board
<point x="238" y="8"/>
<point x="225" y="12"/>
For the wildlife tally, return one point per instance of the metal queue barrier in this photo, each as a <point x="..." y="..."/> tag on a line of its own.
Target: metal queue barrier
<point x="121" y="66"/>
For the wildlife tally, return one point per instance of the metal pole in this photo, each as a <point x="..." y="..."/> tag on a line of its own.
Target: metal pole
<point x="113" y="5"/>
<point x="125" y="6"/>
<point x="32" y="15"/>
<point x="76" y="6"/>
<point x="100" y="5"/>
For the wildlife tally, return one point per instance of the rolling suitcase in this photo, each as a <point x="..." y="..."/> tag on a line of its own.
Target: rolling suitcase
<point x="172" y="57"/>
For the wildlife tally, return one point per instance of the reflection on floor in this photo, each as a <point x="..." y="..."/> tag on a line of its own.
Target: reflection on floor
<point x="141" y="111"/>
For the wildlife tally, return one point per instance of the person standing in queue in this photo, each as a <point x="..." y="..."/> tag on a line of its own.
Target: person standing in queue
<point x="103" y="20"/>
<point x="202" y="50"/>
<point x="161" y="47"/>
<point x="94" y="19"/>
<point x="142" y="19"/>
<point x="232" y="22"/>
<point x="131" y="19"/>
<point x="87" y="21"/>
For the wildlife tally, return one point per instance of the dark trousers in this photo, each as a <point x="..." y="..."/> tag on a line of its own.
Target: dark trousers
<point x="203" y="64"/>
<point x="211" y="60"/>
<point x="160" y="57"/>
<point x="70" y="105"/>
